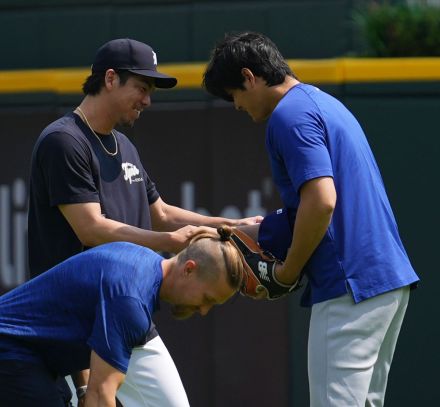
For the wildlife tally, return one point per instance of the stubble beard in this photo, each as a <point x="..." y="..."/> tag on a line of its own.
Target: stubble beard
<point x="181" y="311"/>
<point x="126" y="123"/>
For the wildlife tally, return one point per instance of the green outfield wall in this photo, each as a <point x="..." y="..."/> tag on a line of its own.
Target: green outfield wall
<point x="66" y="33"/>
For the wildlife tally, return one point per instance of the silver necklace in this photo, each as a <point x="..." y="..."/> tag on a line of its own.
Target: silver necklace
<point x="84" y="117"/>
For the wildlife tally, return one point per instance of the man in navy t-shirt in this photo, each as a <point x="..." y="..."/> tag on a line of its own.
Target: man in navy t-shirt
<point x="94" y="308"/>
<point x="88" y="186"/>
<point x="337" y="227"/>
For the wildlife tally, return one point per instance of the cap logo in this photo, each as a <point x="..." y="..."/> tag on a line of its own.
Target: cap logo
<point x="154" y="58"/>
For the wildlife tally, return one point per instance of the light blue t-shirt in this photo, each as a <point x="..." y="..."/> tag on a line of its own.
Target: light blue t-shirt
<point x="101" y="299"/>
<point x="310" y="134"/>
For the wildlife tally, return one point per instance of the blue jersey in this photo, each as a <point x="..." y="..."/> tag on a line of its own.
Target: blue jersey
<point x="310" y="134"/>
<point x="101" y="299"/>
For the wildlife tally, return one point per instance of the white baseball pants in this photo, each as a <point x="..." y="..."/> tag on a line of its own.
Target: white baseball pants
<point x="351" y="347"/>
<point x="152" y="379"/>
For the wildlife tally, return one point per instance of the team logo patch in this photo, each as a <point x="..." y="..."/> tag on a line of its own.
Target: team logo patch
<point x="131" y="173"/>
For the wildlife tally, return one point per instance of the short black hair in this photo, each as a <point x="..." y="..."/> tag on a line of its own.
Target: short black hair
<point x="236" y="51"/>
<point x="96" y="81"/>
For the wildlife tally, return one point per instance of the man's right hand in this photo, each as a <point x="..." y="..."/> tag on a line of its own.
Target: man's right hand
<point x="181" y="237"/>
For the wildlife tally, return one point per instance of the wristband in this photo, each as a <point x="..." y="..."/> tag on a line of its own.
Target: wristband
<point x="81" y="391"/>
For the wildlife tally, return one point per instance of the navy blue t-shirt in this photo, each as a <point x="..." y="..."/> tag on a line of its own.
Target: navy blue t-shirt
<point x="70" y="166"/>
<point x="102" y="299"/>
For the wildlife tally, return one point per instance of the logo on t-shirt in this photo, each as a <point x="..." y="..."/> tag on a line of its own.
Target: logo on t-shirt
<point x="131" y="173"/>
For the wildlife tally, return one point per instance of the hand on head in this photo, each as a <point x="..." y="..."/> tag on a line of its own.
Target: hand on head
<point x="183" y="236"/>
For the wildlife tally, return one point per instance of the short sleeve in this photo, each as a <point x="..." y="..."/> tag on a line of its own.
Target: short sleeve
<point x="65" y="165"/>
<point x="303" y="150"/>
<point x="152" y="193"/>
<point x="121" y="324"/>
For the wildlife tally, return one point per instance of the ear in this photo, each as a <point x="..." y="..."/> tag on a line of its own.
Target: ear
<point x="189" y="267"/>
<point x="111" y="79"/>
<point x="248" y="76"/>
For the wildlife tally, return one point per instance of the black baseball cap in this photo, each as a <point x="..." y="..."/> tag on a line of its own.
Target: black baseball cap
<point x="133" y="56"/>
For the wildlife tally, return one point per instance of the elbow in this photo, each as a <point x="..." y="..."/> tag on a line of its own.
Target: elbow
<point x="324" y="212"/>
<point x="328" y="206"/>
<point x="328" y="199"/>
<point x="89" y="236"/>
<point x="319" y="195"/>
<point x="87" y="239"/>
<point x="324" y="207"/>
<point x="158" y="224"/>
<point x="160" y="220"/>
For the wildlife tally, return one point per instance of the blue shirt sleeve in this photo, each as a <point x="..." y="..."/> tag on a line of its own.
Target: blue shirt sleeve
<point x="303" y="150"/>
<point x="121" y="324"/>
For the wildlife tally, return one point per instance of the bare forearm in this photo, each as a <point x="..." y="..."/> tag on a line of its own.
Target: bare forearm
<point x="104" y="382"/>
<point x="92" y="229"/>
<point x="173" y="217"/>
<point x="177" y="218"/>
<point x="318" y="200"/>
<point x="310" y="228"/>
<point x="96" y="398"/>
<point x="108" y="230"/>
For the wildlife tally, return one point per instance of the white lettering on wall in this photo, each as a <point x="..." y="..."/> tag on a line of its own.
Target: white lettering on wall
<point x="13" y="233"/>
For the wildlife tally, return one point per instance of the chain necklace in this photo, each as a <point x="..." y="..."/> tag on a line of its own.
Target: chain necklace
<point x="84" y="117"/>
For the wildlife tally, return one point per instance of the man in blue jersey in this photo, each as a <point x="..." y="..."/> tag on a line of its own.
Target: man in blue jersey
<point x="94" y="308"/>
<point x="339" y="229"/>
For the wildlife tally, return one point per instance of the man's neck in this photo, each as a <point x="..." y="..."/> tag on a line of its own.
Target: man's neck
<point x="279" y="91"/>
<point x="97" y="114"/>
<point x="289" y="83"/>
<point x="167" y="276"/>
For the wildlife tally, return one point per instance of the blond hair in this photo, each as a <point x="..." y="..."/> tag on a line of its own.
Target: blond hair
<point x="213" y="252"/>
